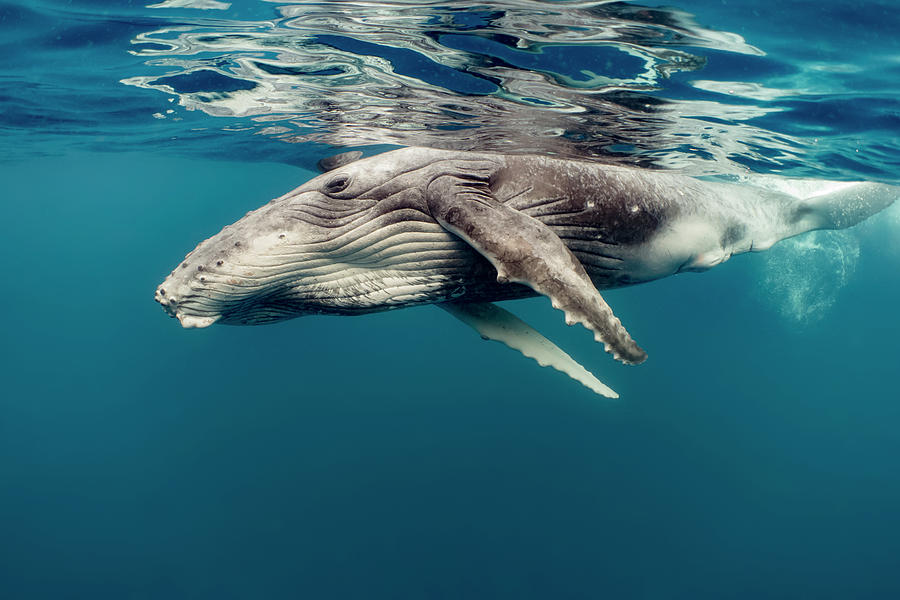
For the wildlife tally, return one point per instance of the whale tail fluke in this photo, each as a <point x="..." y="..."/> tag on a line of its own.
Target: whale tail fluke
<point x="843" y="205"/>
<point x="813" y="204"/>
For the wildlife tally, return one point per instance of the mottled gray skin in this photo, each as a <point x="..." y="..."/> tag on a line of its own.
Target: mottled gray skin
<point x="417" y="226"/>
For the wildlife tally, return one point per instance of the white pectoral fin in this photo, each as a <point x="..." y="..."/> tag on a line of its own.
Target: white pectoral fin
<point x="495" y="323"/>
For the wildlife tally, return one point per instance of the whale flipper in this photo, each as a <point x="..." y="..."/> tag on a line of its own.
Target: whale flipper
<point x="498" y="324"/>
<point x="524" y="250"/>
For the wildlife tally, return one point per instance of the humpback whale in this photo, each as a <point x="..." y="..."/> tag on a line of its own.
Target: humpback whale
<point x="462" y="230"/>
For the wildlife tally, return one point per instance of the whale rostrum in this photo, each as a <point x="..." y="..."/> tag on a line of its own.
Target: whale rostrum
<point x="464" y="229"/>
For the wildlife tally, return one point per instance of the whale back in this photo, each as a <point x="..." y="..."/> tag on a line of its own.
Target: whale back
<point x="607" y="215"/>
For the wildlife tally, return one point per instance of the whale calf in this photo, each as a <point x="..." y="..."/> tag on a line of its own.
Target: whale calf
<point x="464" y="229"/>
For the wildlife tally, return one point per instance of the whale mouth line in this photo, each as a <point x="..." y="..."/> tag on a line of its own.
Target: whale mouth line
<point x="196" y="322"/>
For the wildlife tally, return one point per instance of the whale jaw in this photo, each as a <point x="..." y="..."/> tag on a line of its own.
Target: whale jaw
<point x="195" y="322"/>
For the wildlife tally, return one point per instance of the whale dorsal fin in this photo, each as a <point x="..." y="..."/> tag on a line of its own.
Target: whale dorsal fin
<point x="495" y="323"/>
<point x="329" y="163"/>
<point x="524" y="250"/>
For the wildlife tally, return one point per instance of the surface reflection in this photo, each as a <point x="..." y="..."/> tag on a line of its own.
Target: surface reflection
<point x="574" y="79"/>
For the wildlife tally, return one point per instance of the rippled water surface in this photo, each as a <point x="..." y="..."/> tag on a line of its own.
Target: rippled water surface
<point x="708" y="87"/>
<point x="395" y="455"/>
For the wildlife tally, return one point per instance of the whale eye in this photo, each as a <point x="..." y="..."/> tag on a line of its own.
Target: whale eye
<point x="337" y="184"/>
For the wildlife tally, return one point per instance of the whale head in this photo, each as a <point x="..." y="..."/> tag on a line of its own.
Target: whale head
<point x="346" y="242"/>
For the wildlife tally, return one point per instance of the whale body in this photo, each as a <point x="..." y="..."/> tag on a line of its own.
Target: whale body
<point x="464" y="229"/>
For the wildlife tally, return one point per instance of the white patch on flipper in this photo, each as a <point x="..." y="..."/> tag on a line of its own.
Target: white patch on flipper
<point x="804" y="275"/>
<point x="498" y="324"/>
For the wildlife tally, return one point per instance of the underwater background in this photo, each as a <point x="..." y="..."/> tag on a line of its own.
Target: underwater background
<point x="396" y="455"/>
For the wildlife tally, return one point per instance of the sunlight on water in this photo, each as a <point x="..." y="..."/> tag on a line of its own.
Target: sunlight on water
<point x="569" y="78"/>
<point x="649" y="86"/>
<point x="196" y="4"/>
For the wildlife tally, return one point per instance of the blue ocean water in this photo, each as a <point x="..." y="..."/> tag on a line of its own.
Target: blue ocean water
<point x="396" y="455"/>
